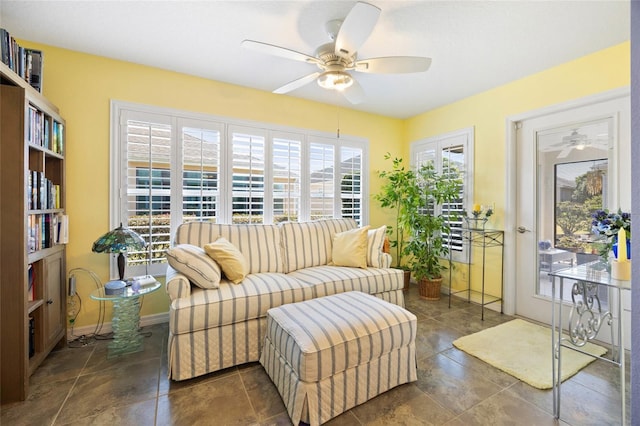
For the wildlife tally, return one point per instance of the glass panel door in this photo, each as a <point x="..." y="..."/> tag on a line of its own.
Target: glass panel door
<point x="573" y="180"/>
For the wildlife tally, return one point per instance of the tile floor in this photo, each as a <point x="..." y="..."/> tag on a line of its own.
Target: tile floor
<point x="80" y="386"/>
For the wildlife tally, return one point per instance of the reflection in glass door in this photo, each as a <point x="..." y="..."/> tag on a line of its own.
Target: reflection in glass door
<point x="572" y="185"/>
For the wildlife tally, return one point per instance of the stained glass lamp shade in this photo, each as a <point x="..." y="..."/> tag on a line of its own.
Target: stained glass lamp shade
<point x="120" y="240"/>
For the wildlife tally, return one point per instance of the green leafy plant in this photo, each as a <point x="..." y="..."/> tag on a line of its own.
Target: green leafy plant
<point x="427" y="243"/>
<point x="400" y="193"/>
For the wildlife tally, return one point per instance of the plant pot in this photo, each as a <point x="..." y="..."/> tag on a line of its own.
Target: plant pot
<point x="407" y="280"/>
<point x="430" y="288"/>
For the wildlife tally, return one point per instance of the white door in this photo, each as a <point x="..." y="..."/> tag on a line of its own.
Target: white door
<point x="569" y="163"/>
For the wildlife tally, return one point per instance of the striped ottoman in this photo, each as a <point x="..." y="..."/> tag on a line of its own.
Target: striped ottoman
<point x="332" y="353"/>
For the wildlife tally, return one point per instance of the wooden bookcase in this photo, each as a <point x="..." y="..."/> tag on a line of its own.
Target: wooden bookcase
<point x="32" y="255"/>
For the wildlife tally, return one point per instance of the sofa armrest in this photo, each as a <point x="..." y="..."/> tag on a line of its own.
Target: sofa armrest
<point x="178" y="285"/>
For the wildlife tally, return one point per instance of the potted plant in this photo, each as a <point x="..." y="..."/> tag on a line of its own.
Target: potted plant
<point x="400" y="193"/>
<point x="427" y="242"/>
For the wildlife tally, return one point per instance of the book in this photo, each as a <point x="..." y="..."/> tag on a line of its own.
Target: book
<point x="30" y="282"/>
<point x="32" y="337"/>
<point x="33" y="73"/>
<point x="27" y="63"/>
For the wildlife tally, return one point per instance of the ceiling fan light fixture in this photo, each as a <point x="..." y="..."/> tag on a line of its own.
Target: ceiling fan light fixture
<point x="335" y="80"/>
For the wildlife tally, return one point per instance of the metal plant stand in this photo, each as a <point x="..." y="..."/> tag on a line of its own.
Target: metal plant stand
<point x="483" y="238"/>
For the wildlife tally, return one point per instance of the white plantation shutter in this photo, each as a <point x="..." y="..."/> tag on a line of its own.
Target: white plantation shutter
<point x="350" y="182"/>
<point x="147" y="207"/>
<point x="248" y="176"/>
<point x="286" y="179"/>
<point x="170" y="167"/>
<point x="322" y="181"/>
<point x="453" y="165"/>
<point x="451" y="154"/>
<point x="200" y="173"/>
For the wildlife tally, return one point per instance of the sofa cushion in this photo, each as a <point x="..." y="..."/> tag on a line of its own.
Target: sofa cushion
<point x="375" y="242"/>
<point x="231" y="303"/>
<point x="350" y="248"/>
<point x="233" y="263"/>
<point x="308" y="244"/>
<point x="328" y="280"/>
<point x="195" y="264"/>
<point x="260" y="244"/>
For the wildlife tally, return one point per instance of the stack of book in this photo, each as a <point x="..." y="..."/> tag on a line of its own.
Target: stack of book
<point x="45" y="231"/>
<point x="44" y="132"/>
<point x="27" y="63"/>
<point x="42" y="193"/>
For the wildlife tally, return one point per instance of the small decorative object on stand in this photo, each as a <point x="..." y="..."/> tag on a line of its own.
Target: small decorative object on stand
<point x="620" y="266"/>
<point x="479" y="216"/>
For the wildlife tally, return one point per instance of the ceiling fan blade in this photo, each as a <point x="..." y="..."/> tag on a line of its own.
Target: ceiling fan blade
<point x="283" y="52"/>
<point x="296" y="83"/>
<point x="393" y="65"/>
<point x="355" y="94"/>
<point x="356" y="28"/>
<point x="565" y="152"/>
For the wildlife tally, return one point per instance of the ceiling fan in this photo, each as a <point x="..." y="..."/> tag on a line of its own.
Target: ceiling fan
<point x="573" y="141"/>
<point x="339" y="56"/>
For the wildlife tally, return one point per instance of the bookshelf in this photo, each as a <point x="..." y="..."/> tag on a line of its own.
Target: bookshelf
<point x="32" y="232"/>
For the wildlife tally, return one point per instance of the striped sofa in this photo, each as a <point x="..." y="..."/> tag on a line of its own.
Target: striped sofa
<point x="215" y="328"/>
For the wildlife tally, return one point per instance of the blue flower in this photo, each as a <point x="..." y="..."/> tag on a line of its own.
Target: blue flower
<point x="608" y="225"/>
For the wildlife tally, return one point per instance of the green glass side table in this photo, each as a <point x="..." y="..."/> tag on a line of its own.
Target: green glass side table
<point x="125" y="320"/>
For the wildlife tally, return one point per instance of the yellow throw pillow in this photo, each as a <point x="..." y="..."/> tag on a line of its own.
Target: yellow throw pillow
<point x="350" y="248"/>
<point x="233" y="263"/>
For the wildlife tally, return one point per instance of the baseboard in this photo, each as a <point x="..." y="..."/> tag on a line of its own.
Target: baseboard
<point x="106" y="327"/>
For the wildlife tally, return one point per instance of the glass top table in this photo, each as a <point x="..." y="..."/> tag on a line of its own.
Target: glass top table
<point x="125" y="320"/>
<point x="128" y="292"/>
<point x="586" y="318"/>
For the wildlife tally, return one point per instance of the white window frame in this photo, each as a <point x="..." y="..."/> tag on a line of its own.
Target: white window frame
<point x="464" y="137"/>
<point x="178" y="119"/>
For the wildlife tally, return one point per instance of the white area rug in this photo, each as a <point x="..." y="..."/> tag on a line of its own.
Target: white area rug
<point x="523" y="349"/>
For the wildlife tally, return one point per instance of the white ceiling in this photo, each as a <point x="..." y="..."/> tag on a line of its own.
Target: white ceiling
<point x="475" y="45"/>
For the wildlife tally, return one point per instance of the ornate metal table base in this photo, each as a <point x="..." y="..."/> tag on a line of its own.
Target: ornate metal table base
<point x="586" y="319"/>
<point x="586" y="316"/>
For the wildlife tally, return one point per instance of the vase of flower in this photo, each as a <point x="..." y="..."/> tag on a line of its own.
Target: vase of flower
<point x="615" y="248"/>
<point x="607" y="224"/>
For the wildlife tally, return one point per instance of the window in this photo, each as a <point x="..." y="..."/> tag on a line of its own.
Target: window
<point x="452" y="155"/>
<point x="170" y="167"/>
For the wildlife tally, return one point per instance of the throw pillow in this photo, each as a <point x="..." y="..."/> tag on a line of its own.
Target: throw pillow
<point x="233" y="263"/>
<point x="350" y="248"/>
<point x="193" y="262"/>
<point x="375" y="244"/>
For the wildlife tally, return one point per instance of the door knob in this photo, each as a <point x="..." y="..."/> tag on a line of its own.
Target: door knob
<point x="522" y="229"/>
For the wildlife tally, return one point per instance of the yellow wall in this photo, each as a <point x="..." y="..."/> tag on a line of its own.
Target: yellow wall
<point x="486" y="112"/>
<point x="82" y="86"/>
